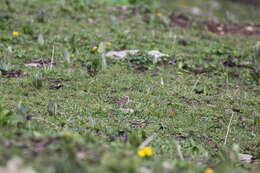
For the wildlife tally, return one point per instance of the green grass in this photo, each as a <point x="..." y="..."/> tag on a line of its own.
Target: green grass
<point x="80" y="127"/>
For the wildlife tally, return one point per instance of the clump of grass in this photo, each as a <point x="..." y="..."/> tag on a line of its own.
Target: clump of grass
<point x="94" y="65"/>
<point x="102" y="50"/>
<point x="12" y="118"/>
<point x="82" y="125"/>
<point x="41" y="16"/>
<point x="9" y="6"/>
<point x="40" y="39"/>
<point x="98" y="60"/>
<point x="140" y="58"/>
<point x="255" y="73"/>
<point x="22" y="109"/>
<point x="37" y="81"/>
<point x="28" y="28"/>
<point x="52" y="108"/>
<point x="5" y="114"/>
<point x="66" y="56"/>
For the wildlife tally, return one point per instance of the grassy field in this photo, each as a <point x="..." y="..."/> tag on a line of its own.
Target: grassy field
<point x="195" y="110"/>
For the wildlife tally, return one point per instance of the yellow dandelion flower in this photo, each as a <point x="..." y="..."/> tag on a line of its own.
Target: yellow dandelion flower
<point x="179" y="73"/>
<point x="145" y="152"/>
<point x="141" y="153"/>
<point x="94" y="48"/>
<point x="235" y="52"/>
<point x="148" y="151"/>
<point x="158" y="14"/>
<point x="109" y="43"/>
<point x="68" y="135"/>
<point x="15" y="33"/>
<point x="209" y="170"/>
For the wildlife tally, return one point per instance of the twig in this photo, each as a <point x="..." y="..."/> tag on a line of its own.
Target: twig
<point x="48" y="122"/>
<point x="162" y="82"/>
<point x="228" y="129"/>
<point x="179" y="151"/>
<point x="195" y="85"/>
<point x="52" y="56"/>
<point x="147" y="141"/>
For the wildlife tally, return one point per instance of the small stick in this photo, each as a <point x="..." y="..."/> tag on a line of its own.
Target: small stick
<point x="147" y="141"/>
<point x="179" y="151"/>
<point x="48" y="122"/>
<point x="162" y="82"/>
<point x="52" y="56"/>
<point x="195" y="85"/>
<point x="228" y="129"/>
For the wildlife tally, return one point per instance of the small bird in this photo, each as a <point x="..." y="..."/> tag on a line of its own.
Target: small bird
<point x="123" y="101"/>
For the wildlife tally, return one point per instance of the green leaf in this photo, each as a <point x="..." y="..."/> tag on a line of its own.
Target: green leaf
<point x="37" y="80"/>
<point x="66" y="55"/>
<point x="22" y="109"/>
<point x="52" y="108"/>
<point x="40" y="40"/>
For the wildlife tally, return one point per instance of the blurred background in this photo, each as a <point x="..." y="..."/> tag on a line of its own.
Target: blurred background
<point x="236" y="11"/>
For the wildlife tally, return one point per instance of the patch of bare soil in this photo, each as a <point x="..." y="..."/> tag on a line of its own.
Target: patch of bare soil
<point x="231" y="63"/>
<point x="257" y="92"/>
<point x="13" y="74"/>
<point x="198" y="71"/>
<point x="56" y="83"/>
<point x="41" y="145"/>
<point x="180" y="20"/>
<point x="250" y="2"/>
<point x="141" y="68"/>
<point x="217" y="28"/>
<point x="223" y="29"/>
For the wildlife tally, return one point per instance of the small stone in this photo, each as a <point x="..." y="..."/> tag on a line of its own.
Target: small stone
<point x="144" y="170"/>
<point x="156" y="54"/>
<point x="167" y="165"/>
<point x="126" y="110"/>
<point x="245" y="158"/>
<point x="196" y="11"/>
<point x="249" y="28"/>
<point x="121" y="54"/>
